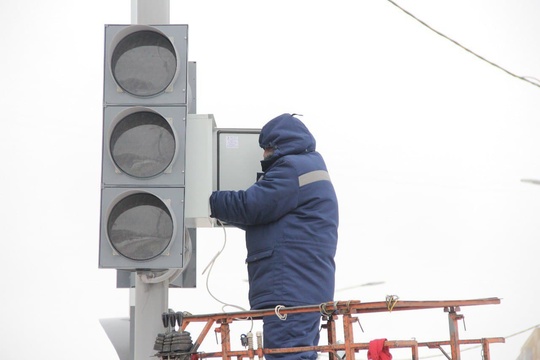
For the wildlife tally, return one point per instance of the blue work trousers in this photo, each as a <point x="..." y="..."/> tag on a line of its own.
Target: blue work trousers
<point x="297" y="330"/>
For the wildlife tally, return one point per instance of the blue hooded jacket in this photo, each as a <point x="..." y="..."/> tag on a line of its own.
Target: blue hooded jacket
<point x="290" y="217"/>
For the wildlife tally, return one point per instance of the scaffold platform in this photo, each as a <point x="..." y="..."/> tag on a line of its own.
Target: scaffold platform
<point x="332" y="313"/>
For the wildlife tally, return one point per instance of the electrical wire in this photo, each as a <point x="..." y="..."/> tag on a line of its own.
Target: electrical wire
<point x="506" y="337"/>
<point x="171" y="274"/>
<point x="478" y="346"/>
<point x="522" y="331"/>
<point x="524" y="78"/>
<point x="209" y="268"/>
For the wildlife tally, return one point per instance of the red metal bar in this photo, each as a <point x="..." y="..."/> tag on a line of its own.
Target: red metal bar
<point x="356" y="347"/>
<point x="453" y="318"/>
<point x="202" y="335"/>
<point x="330" y="327"/>
<point x="432" y="344"/>
<point x="352" y="306"/>
<point x="225" y="339"/>
<point x="348" y="335"/>
<point x="414" y="351"/>
<point x="485" y="350"/>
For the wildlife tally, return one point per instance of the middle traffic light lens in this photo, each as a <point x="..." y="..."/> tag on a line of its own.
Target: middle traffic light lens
<point x="142" y="144"/>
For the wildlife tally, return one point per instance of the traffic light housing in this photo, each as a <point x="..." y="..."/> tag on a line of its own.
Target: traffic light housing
<point x="144" y="140"/>
<point x="145" y="64"/>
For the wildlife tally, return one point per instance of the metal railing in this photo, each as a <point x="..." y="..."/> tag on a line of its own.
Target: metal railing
<point x="330" y="313"/>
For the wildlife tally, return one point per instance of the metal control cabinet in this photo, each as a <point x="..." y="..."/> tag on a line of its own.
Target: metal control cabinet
<point x="216" y="159"/>
<point x="238" y="158"/>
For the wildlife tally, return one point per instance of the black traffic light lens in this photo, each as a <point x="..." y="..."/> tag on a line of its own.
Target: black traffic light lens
<point x="140" y="227"/>
<point x="142" y="144"/>
<point x="144" y="63"/>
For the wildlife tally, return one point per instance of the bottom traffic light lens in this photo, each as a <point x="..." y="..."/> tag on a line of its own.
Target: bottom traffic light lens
<point x="140" y="227"/>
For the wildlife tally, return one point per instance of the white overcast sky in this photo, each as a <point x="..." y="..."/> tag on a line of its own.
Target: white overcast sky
<point x="426" y="145"/>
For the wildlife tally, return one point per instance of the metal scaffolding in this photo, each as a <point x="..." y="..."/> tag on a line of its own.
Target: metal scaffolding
<point x="330" y="313"/>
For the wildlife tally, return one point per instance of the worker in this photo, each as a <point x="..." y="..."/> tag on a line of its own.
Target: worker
<point x="290" y="218"/>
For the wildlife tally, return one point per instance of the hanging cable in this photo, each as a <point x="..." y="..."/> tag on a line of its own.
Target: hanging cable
<point x="209" y="268"/>
<point x="171" y="274"/>
<point x="524" y="78"/>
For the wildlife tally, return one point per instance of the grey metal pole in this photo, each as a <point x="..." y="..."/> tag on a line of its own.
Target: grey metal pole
<point x="146" y="12"/>
<point x="151" y="299"/>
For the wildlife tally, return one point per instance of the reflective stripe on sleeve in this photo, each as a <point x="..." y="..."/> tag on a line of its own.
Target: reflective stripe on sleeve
<point x="313" y="176"/>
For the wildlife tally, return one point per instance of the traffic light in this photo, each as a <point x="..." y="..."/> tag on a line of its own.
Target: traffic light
<point x="143" y="155"/>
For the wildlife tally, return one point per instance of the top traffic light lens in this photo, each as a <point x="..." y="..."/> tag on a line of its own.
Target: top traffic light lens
<point x="144" y="63"/>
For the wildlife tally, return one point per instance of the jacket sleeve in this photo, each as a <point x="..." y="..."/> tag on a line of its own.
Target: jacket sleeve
<point x="264" y="202"/>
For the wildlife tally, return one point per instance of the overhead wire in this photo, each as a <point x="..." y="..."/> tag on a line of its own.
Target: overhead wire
<point x="524" y="78"/>
<point x="529" y="79"/>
